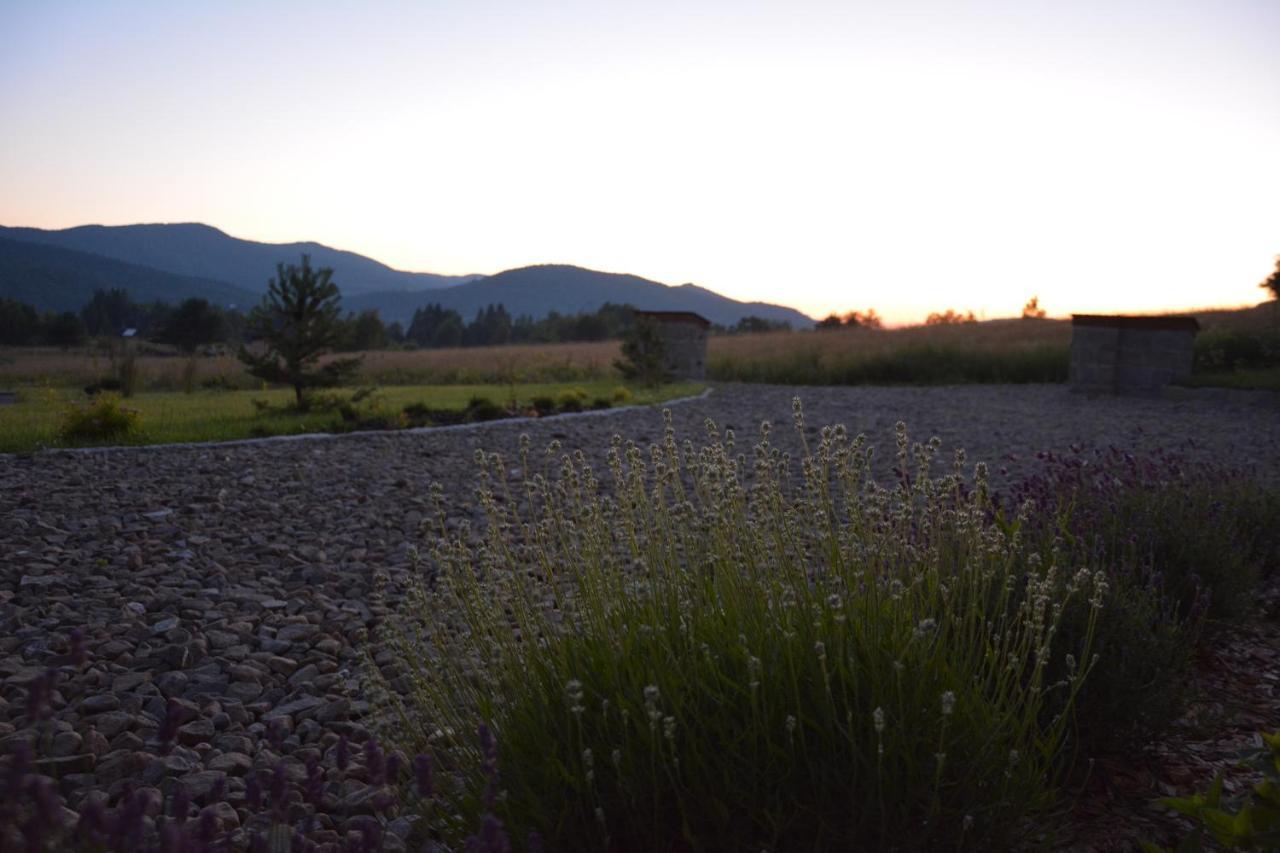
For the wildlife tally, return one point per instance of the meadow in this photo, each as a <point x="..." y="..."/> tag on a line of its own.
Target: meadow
<point x="1236" y="348"/>
<point x="167" y="417"/>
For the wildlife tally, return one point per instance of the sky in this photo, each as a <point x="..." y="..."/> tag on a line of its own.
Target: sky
<point x="903" y="156"/>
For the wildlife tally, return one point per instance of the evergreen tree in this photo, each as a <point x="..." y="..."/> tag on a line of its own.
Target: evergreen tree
<point x="449" y="331"/>
<point x="644" y="357"/>
<point x="19" y="323"/>
<point x="297" y="322"/>
<point x="193" y="323"/>
<point x="1272" y="282"/>
<point x="109" y="313"/>
<point x="66" y="330"/>
<point x="364" y="332"/>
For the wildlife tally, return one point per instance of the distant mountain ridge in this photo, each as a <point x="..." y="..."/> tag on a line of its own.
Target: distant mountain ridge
<point x="53" y="279"/>
<point x="59" y="270"/>
<point x="538" y="290"/>
<point x="202" y="251"/>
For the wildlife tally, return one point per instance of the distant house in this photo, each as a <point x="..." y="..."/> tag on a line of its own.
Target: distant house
<point x="684" y="341"/>
<point x="1130" y="355"/>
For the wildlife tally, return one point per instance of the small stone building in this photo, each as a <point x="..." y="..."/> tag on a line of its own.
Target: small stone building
<point x="684" y="341"/>
<point x="1118" y="354"/>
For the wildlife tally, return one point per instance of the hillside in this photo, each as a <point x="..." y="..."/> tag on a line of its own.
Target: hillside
<point x="54" y="279"/>
<point x="538" y="290"/>
<point x="201" y="251"/>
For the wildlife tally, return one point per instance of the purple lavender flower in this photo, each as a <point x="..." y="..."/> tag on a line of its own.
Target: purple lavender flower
<point x="422" y="775"/>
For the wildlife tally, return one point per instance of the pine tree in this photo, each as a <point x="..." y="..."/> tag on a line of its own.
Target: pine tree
<point x="644" y="357"/>
<point x="297" y="322"/>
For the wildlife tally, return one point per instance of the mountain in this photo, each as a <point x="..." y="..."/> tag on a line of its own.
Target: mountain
<point x="61" y="269"/>
<point x="54" y="279"/>
<point x="201" y="251"/>
<point x="538" y="290"/>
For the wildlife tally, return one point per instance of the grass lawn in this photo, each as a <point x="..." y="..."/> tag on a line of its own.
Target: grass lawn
<point x="1248" y="379"/>
<point x="167" y="417"/>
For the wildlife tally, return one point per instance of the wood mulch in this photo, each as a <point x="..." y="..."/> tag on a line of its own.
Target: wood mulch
<point x="1235" y="693"/>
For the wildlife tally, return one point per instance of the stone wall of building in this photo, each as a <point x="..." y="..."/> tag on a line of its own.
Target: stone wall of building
<point x="685" y="345"/>
<point x="684" y="342"/>
<point x="1130" y="355"/>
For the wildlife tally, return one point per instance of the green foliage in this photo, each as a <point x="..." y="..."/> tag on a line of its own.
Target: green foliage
<point x="109" y="313"/>
<point x="19" y="323"/>
<point x="622" y="395"/>
<point x="433" y="325"/>
<point x="364" y="332"/>
<point x="1184" y="545"/>
<point x="1272" y="282"/>
<point x="716" y="656"/>
<point x="1230" y="350"/>
<point x="1248" y="822"/>
<point x="221" y="382"/>
<point x="914" y="365"/>
<point x="297" y="323"/>
<point x="66" y="330"/>
<point x="1140" y="688"/>
<point x="225" y="414"/>
<point x="644" y="358"/>
<point x="751" y="325"/>
<point x="126" y="368"/>
<point x="193" y="323"/>
<point x="484" y="409"/>
<point x="101" y="419"/>
<point x="544" y="405"/>
<point x="571" y="400"/>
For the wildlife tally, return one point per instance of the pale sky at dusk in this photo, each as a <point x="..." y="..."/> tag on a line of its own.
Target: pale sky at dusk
<point x="910" y="157"/>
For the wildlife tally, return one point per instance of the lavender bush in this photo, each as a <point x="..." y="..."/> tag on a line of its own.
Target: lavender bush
<point x="1184" y="543"/>
<point x="715" y="654"/>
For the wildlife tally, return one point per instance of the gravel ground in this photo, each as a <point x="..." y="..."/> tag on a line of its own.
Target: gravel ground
<point x="234" y="582"/>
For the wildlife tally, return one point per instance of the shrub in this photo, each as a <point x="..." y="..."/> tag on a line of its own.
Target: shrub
<point x="417" y="414"/>
<point x="128" y="372"/>
<point x="601" y="403"/>
<point x="484" y="409"/>
<point x="221" y="382"/>
<point x="644" y="356"/>
<point x="571" y="400"/>
<point x="106" y="383"/>
<point x="1234" y="349"/>
<point x="544" y="406"/>
<point x="1250" y="821"/>
<point x="713" y="657"/>
<point x="1182" y="542"/>
<point x="622" y="395"/>
<point x="101" y="419"/>
<point x="909" y="365"/>
<point x="1186" y="529"/>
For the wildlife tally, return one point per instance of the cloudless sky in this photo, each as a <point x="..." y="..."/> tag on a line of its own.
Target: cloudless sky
<point x="903" y="156"/>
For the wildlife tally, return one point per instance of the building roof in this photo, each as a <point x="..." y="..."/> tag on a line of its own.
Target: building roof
<point x="1131" y="321"/>
<point x="676" y="317"/>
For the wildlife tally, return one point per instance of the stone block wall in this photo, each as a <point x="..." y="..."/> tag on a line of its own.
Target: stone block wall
<point x="1130" y="355"/>
<point x="684" y="342"/>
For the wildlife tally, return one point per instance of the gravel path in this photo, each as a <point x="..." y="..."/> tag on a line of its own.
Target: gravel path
<point x="237" y="579"/>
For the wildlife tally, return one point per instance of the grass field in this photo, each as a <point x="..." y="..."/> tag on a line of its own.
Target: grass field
<point x="162" y="370"/>
<point x="1011" y="350"/>
<point x="167" y="417"/>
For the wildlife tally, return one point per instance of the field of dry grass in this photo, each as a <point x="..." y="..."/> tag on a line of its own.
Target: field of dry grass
<point x="998" y="350"/>
<point x="161" y="371"/>
<point x="833" y="344"/>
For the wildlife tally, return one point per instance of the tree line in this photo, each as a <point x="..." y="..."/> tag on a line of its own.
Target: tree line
<point x="196" y="323"/>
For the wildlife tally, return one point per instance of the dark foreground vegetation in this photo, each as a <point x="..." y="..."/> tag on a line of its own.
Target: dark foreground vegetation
<point x="737" y="651"/>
